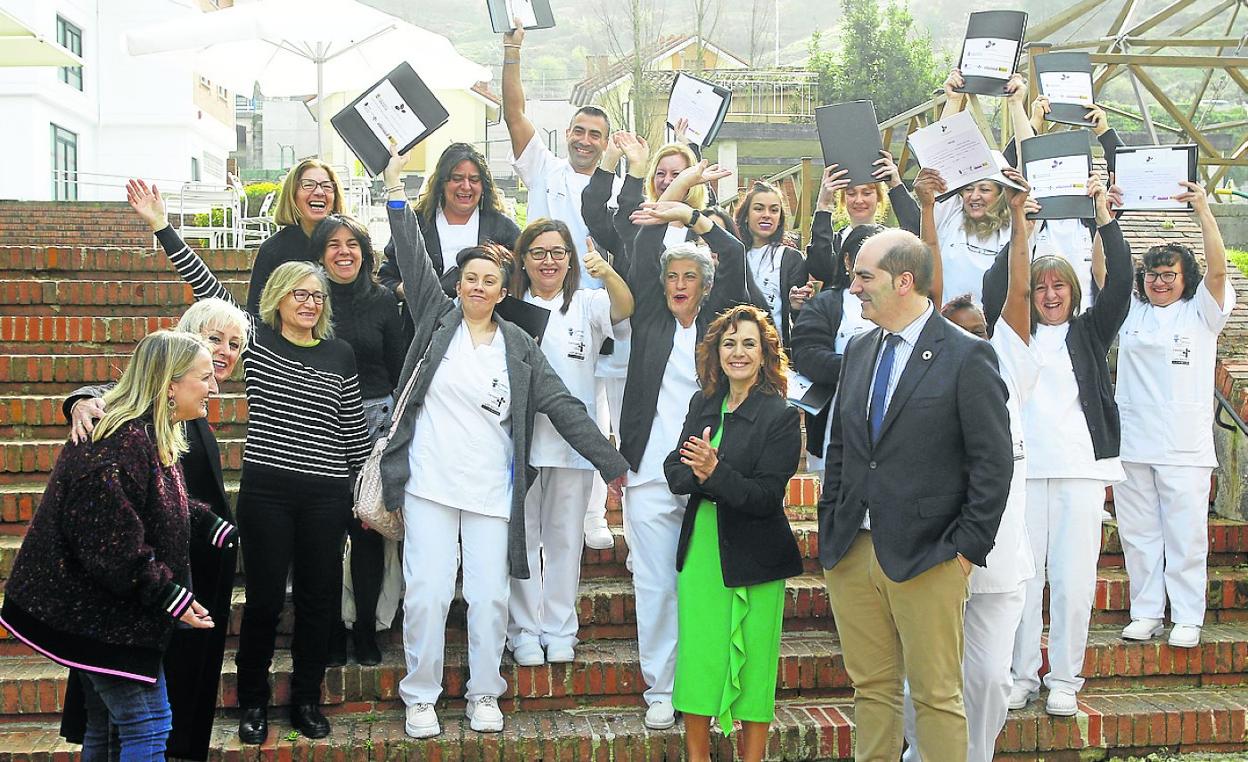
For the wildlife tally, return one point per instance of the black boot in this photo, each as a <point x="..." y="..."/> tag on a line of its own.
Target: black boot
<point x="364" y="640"/>
<point x="308" y="720"/>
<point x="337" y="646"/>
<point x="253" y="726"/>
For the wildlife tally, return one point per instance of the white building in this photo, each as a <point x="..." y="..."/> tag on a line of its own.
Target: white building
<point x="77" y="134"/>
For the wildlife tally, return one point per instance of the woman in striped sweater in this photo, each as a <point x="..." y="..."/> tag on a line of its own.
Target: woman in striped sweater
<point x="305" y="436"/>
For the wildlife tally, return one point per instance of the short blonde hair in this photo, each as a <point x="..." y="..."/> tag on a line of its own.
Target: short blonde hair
<point x="284" y="280"/>
<point x="881" y="208"/>
<point x="161" y="358"/>
<point x="207" y="314"/>
<point x="1059" y="266"/>
<point x="696" y="197"/>
<point x="287" y="213"/>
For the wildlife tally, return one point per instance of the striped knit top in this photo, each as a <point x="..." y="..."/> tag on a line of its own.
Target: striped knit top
<point x="305" y="412"/>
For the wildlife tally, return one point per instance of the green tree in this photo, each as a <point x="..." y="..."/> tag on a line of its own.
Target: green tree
<point x="883" y="56"/>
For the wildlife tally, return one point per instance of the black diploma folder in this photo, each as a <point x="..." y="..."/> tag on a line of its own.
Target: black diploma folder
<point x="1001" y="25"/>
<point x="501" y="21"/>
<point x="850" y="137"/>
<point x="1059" y="145"/>
<point x="361" y="134"/>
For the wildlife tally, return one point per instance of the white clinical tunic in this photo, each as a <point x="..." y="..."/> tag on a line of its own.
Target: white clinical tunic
<point x="461" y="449"/>
<point x="555" y="192"/>
<point x="765" y="265"/>
<point x="852" y="324"/>
<point x="1010" y="562"/>
<point x="455" y="238"/>
<point x="1166" y="357"/>
<point x="680" y="381"/>
<point x="1071" y="240"/>
<point x="570" y="344"/>
<point x="1055" y="429"/>
<point x="964" y="257"/>
<point x="674" y="235"/>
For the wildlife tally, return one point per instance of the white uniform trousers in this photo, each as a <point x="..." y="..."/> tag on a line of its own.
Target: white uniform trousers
<point x="988" y="649"/>
<point x="543" y="607"/>
<point x="1163" y="520"/>
<point x="1064" y="522"/>
<point x="652" y="521"/>
<point x="609" y="398"/>
<point x="434" y="535"/>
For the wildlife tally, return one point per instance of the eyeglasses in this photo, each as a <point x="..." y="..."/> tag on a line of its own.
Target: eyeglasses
<point x="301" y="295"/>
<point x="1164" y="277"/>
<point x="326" y="186"/>
<point x="557" y="254"/>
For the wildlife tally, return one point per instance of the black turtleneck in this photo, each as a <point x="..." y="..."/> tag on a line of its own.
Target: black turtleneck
<point x="373" y="327"/>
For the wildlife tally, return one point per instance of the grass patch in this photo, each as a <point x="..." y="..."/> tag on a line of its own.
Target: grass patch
<point x="1239" y="258"/>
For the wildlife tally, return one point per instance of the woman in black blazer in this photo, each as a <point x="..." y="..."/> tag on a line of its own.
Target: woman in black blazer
<point x="736" y="547"/>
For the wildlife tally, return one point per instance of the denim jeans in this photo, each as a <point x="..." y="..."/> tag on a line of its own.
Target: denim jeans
<point x="127" y="721"/>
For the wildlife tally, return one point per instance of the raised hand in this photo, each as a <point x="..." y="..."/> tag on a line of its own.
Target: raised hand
<point x="394" y="167"/>
<point x="954" y="79"/>
<point x="1195" y="195"/>
<point x="1017" y="198"/>
<point x="611" y="156"/>
<point x="1040" y="107"/>
<point x="680" y="132"/>
<point x="516" y="35"/>
<point x="661" y="213"/>
<point x="1100" y="122"/>
<point x="886" y="170"/>
<point x="698" y="454"/>
<point x="1016" y="88"/>
<point x="834" y="179"/>
<point x="147" y="203"/>
<point x="635" y="149"/>
<point x="928" y="185"/>
<point x="1115" y="193"/>
<point x="595" y="265"/>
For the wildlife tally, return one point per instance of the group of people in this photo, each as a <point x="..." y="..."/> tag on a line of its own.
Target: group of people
<point x="964" y="455"/>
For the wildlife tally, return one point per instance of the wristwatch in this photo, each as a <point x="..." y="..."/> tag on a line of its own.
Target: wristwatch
<point x="694" y="216"/>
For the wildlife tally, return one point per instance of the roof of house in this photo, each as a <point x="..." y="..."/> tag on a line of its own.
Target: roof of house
<point x="584" y="91"/>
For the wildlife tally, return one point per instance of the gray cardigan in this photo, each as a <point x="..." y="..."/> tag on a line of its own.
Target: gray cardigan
<point x="535" y="388"/>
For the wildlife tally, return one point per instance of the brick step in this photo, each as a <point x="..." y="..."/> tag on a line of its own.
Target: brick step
<point x="72" y="223"/>
<point x="1108" y="724"/>
<point x="608" y="672"/>
<point x="49" y="374"/>
<point x="144" y="262"/>
<point x="73" y="335"/>
<point x="32" y="416"/>
<point x="99" y="298"/>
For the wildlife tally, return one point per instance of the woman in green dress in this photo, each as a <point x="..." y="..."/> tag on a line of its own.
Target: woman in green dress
<point x="739" y="448"/>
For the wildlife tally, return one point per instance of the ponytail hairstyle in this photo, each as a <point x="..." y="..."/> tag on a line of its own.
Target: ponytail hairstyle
<point x="161" y="358"/>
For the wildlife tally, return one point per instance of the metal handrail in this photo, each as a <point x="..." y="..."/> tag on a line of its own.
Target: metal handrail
<point x="1225" y="406"/>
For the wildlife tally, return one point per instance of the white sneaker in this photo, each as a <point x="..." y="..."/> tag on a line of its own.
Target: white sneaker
<point x="422" y="721"/>
<point x="560" y="654"/>
<point x="660" y="715"/>
<point x="484" y="716"/>
<point x="1142" y="629"/>
<point x="598" y="535"/>
<point x="1061" y="702"/>
<point x="529" y="655"/>
<point x="1184" y="636"/>
<point x="1021" y="696"/>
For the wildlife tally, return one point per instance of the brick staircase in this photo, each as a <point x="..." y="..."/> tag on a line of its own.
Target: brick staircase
<point x="71" y="315"/>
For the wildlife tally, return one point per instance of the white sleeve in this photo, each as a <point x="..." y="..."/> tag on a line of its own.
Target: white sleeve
<point x="534" y="161"/>
<point x="623" y="330"/>
<point x="948" y="214"/>
<point x="1211" y="315"/>
<point x="1017" y="357"/>
<point x="598" y="313"/>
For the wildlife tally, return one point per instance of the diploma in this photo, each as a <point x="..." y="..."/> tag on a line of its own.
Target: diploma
<point x="533" y="14"/>
<point x="1059" y="176"/>
<point x="1074" y="88"/>
<point x="989" y="57"/>
<point x="805" y="394"/>
<point x="990" y="50"/>
<point x="1066" y="80"/>
<point x="388" y="115"/>
<point x="703" y="104"/>
<point x="1150" y="176"/>
<point x="400" y="107"/>
<point x="956" y="149"/>
<point x="523" y="11"/>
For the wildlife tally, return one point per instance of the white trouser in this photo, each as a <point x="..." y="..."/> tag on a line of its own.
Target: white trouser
<point x="652" y="522"/>
<point x="543" y="607"/>
<point x="434" y="535"/>
<point x="608" y="399"/>
<point x="1163" y="520"/>
<point x="988" y="649"/>
<point x="1064" y="522"/>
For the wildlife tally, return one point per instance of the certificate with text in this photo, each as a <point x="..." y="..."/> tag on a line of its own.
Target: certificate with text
<point x="700" y="102"/>
<point x="956" y="149"/>
<point x="988" y="57"/>
<point x="1150" y="176"/>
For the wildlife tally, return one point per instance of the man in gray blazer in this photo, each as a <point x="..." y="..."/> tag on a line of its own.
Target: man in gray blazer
<point x="918" y="467"/>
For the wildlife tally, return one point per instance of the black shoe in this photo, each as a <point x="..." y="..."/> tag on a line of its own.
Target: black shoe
<point x="337" y="646"/>
<point x="253" y="726"/>
<point x="308" y="720"/>
<point x="367" y="652"/>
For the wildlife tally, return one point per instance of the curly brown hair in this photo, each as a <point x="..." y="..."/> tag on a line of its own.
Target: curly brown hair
<point x="772" y="379"/>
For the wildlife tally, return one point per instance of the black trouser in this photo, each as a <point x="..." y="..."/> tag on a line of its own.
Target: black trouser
<point x="285" y="517"/>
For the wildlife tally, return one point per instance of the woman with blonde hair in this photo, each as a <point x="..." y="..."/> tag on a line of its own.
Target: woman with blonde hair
<point x="306" y="435"/>
<point x="736" y="547"/>
<point x="309" y="193"/>
<point x="103" y="574"/>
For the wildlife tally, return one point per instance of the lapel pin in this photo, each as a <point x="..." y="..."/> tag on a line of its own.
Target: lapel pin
<point x="927" y="354"/>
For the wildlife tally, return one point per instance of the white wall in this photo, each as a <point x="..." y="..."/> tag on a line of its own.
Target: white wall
<point x="287" y="123"/>
<point x="135" y="116"/>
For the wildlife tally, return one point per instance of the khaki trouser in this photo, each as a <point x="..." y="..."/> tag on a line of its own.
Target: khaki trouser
<point x="893" y="630"/>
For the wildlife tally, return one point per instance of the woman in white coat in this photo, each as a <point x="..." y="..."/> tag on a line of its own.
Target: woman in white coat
<point x="542" y="611"/>
<point x="1166" y="353"/>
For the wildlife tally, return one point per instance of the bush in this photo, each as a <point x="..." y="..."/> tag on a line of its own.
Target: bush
<point x="255" y="197"/>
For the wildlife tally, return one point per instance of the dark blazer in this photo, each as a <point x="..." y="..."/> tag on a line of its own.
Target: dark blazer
<point x="1091" y="334"/>
<point x="813" y="350"/>
<point x="654" y="327"/>
<point x="758" y="454"/>
<point x="194" y="657"/>
<point x="493" y="227"/>
<point x="936" y="481"/>
<point x="823" y="253"/>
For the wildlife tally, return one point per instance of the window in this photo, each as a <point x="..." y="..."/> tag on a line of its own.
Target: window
<point x="70" y="38"/>
<point x="222" y="93"/>
<point x="194" y="169"/>
<point x="64" y="164"/>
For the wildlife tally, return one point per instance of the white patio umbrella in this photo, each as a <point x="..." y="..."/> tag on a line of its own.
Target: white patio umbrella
<point x="21" y="46"/>
<point x="297" y="47"/>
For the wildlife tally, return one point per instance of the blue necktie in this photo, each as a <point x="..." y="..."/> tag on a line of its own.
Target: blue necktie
<point x="879" y="387"/>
